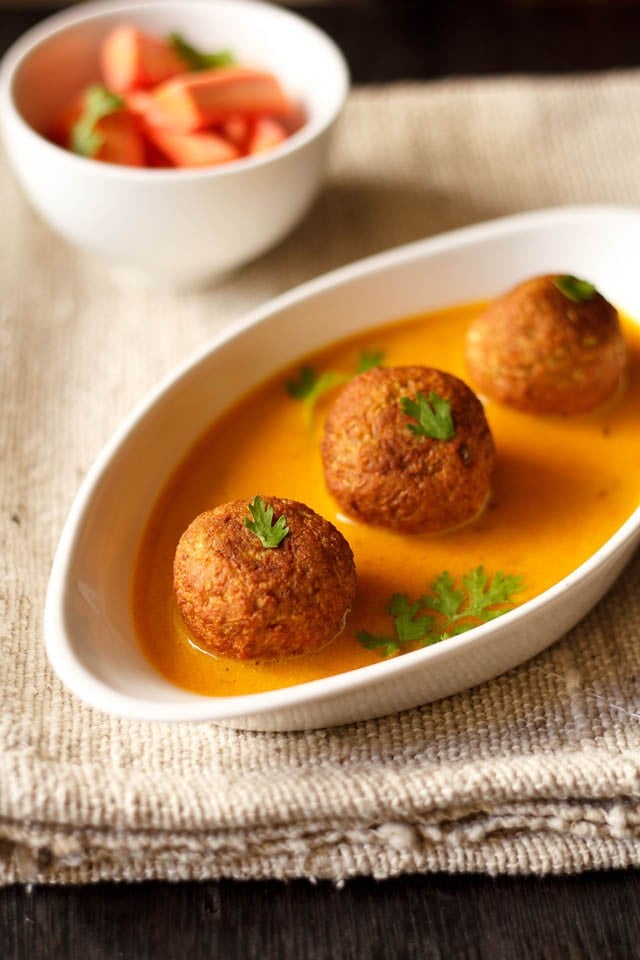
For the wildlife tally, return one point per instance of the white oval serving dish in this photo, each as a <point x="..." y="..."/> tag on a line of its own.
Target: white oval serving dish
<point x="88" y="629"/>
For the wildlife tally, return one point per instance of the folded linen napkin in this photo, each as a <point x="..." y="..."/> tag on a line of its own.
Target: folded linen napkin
<point x="537" y="771"/>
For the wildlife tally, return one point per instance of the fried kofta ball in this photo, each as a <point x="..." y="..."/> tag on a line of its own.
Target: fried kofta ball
<point x="383" y="469"/>
<point x="552" y="345"/>
<point x="243" y="600"/>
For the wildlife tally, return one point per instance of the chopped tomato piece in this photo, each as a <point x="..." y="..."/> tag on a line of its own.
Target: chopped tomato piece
<point x="295" y="120"/>
<point x="237" y="130"/>
<point x="138" y="101"/>
<point x="196" y="100"/>
<point x="131" y="60"/>
<point x="201" y="149"/>
<point x="122" y="139"/>
<point x="267" y="133"/>
<point x="156" y="159"/>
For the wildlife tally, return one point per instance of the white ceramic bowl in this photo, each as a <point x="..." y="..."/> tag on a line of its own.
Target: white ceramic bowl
<point x="179" y="226"/>
<point x="88" y="629"/>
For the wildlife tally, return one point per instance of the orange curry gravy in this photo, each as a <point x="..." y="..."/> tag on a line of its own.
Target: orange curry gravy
<point x="562" y="486"/>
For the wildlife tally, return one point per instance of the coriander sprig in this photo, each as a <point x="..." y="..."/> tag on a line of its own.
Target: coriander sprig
<point x="98" y="102"/>
<point x="479" y="601"/>
<point x="445" y="611"/>
<point x="580" y="291"/>
<point x="311" y="384"/>
<point x="197" y="60"/>
<point x="300" y="388"/>
<point x="433" y="415"/>
<point x="324" y="382"/>
<point x="369" y="359"/>
<point x="268" y="533"/>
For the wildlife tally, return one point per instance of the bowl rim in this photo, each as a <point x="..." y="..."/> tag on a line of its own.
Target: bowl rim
<point x="57" y="23"/>
<point x="202" y="708"/>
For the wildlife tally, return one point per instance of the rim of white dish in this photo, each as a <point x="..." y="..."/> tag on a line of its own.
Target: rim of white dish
<point x="59" y="22"/>
<point x="203" y="708"/>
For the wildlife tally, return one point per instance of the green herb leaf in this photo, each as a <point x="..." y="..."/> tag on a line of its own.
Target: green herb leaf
<point x="409" y="626"/>
<point x="433" y="414"/>
<point x="580" y="291"/>
<point x="444" y="598"/>
<point x="384" y="645"/>
<point x="478" y="601"/>
<point x="325" y="382"/>
<point x="302" y="387"/>
<point x="311" y="385"/>
<point x="269" y="534"/>
<point x="368" y="359"/>
<point x="98" y="102"/>
<point x="484" y="596"/>
<point x="452" y="610"/>
<point x="195" y="59"/>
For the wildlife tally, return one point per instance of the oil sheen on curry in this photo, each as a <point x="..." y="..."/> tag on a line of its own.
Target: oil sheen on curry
<point x="394" y="490"/>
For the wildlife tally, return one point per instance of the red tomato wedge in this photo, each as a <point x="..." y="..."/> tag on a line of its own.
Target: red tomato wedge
<point x="131" y="60"/>
<point x="237" y="130"/>
<point x="196" y="100"/>
<point x="201" y="149"/>
<point x="122" y="140"/>
<point x="267" y="133"/>
<point x="138" y="101"/>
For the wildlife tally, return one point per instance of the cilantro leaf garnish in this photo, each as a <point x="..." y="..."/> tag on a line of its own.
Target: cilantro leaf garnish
<point x="478" y="601"/>
<point x="384" y="645"/>
<point x="197" y="60"/>
<point x="445" y="598"/>
<point x="98" y="102"/>
<point x="268" y="533"/>
<point x="368" y="359"/>
<point x="433" y="414"/>
<point x="302" y="387"/>
<point x="324" y="382"/>
<point x="311" y="385"/>
<point x="580" y="291"/>
<point x="446" y="611"/>
<point x="484" y="596"/>
<point x="409" y="626"/>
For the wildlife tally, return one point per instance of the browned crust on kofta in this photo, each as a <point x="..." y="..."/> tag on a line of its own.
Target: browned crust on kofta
<point x="382" y="474"/>
<point x="537" y="350"/>
<point x="245" y="601"/>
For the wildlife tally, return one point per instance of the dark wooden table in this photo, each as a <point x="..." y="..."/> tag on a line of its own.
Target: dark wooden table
<point x="590" y="916"/>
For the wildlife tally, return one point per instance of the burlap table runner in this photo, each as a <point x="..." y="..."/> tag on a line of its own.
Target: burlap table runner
<point x="537" y="771"/>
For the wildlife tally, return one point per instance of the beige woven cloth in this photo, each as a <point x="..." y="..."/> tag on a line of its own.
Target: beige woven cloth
<point x="535" y="772"/>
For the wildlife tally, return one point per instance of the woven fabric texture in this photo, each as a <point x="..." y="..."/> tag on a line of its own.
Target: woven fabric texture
<point x="537" y="771"/>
